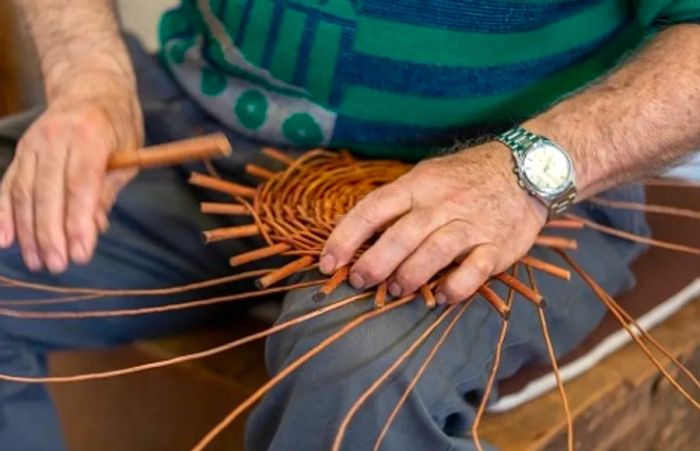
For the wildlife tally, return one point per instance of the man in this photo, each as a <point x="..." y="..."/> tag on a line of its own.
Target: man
<point x="614" y="86"/>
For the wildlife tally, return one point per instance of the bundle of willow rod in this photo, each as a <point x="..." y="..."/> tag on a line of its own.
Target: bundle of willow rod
<point x="293" y="212"/>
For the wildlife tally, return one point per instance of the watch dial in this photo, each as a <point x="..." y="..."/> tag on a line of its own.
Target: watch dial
<point x="547" y="167"/>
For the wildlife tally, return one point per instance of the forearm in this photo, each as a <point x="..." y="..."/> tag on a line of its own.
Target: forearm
<point x="77" y="41"/>
<point x="644" y="116"/>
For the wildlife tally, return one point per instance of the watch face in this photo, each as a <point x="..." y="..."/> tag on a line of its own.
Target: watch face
<point x="547" y="168"/>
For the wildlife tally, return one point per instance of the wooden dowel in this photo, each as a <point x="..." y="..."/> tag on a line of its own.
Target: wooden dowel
<point x="428" y="296"/>
<point x="563" y="223"/>
<point x="218" y="208"/>
<point x="215" y="145"/>
<point x="259" y="254"/>
<point x="284" y="272"/>
<point x="278" y="155"/>
<point x="257" y="171"/>
<point x="527" y="292"/>
<point x="214" y="184"/>
<point x="556" y="242"/>
<point x="380" y="296"/>
<point x="549" y="268"/>
<point x="226" y="233"/>
<point x="333" y="283"/>
<point x="495" y="300"/>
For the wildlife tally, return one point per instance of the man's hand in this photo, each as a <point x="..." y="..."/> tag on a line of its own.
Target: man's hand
<point x="55" y="196"/>
<point x="463" y="207"/>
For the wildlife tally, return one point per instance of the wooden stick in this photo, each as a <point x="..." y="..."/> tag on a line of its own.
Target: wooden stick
<point x="340" y="276"/>
<point x="258" y="254"/>
<point x="257" y="171"/>
<point x="226" y="233"/>
<point x="220" y="208"/>
<point x="555" y="365"/>
<point x="214" y="184"/>
<point x="187" y="357"/>
<point x="563" y="223"/>
<point x="284" y="272"/>
<point x="556" y="242"/>
<point x="278" y="155"/>
<point x="380" y="297"/>
<point x="527" y="292"/>
<point x="428" y="296"/>
<point x="345" y="423"/>
<point x="215" y="145"/>
<point x="495" y="300"/>
<point x="647" y="208"/>
<point x="610" y="304"/>
<point x="293" y="366"/>
<point x="414" y="381"/>
<point x="547" y="267"/>
<point x="640" y="239"/>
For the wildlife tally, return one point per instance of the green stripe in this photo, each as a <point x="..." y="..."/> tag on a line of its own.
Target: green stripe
<point x="257" y="31"/>
<point x="322" y="61"/>
<point x="340" y="9"/>
<point x="453" y="48"/>
<point x="233" y="13"/>
<point x="284" y="57"/>
<point x="371" y="104"/>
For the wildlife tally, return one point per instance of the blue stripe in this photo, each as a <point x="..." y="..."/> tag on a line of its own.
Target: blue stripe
<point x="307" y="39"/>
<point x="480" y="15"/>
<point x="346" y="42"/>
<point x="360" y="132"/>
<point x="273" y="35"/>
<point x="244" y="22"/>
<point x="438" y="81"/>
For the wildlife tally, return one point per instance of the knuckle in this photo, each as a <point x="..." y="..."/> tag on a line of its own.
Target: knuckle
<point x="482" y="268"/>
<point x="21" y="192"/>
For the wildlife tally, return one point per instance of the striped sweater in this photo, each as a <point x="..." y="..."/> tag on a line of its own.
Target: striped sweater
<point x="396" y="78"/>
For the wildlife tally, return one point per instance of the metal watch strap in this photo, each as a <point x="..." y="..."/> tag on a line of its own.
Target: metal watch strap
<point x="519" y="141"/>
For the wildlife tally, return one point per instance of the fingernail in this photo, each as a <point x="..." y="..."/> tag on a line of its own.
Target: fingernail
<point x="327" y="264"/>
<point x="32" y="261"/>
<point x="357" y="281"/>
<point x="440" y="298"/>
<point x="78" y="253"/>
<point x="55" y="262"/>
<point x="395" y="289"/>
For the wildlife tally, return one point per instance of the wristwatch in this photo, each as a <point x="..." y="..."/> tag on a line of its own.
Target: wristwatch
<point x="544" y="169"/>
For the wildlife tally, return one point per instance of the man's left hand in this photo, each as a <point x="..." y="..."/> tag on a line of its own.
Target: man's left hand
<point x="464" y="207"/>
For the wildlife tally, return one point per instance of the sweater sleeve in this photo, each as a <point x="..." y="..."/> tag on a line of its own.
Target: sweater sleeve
<point x="668" y="12"/>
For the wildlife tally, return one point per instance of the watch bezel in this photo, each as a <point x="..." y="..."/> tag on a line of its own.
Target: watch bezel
<point x="532" y="187"/>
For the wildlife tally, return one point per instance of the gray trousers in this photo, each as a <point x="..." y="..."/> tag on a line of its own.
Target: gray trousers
<point x="154" y="241"/>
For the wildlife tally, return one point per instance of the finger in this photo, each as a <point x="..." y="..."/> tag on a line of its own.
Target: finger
<point x="442" y="247"/>
<point x="49" y="206"/>
<point x="371" y="213"/>
<point x="7" y="226"/>
<point x="101" y="221"/>
<point x="22" y="192"/>
<point x="469" y="276"/>
<point x="392" y="248"/>
<point x="85" y="174"/>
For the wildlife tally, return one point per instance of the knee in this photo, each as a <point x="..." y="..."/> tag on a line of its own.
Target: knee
<point x="350" y="350"/>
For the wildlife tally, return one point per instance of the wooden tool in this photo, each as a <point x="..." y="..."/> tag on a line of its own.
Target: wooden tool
<point x="208" y="146"/>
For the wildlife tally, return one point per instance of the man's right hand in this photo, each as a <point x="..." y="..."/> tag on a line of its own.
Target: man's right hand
<point x="56" y="193"/>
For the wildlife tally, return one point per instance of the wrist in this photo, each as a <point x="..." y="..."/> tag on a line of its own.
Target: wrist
<point x="570" y="137"/>
<point x="505" y="156"/>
